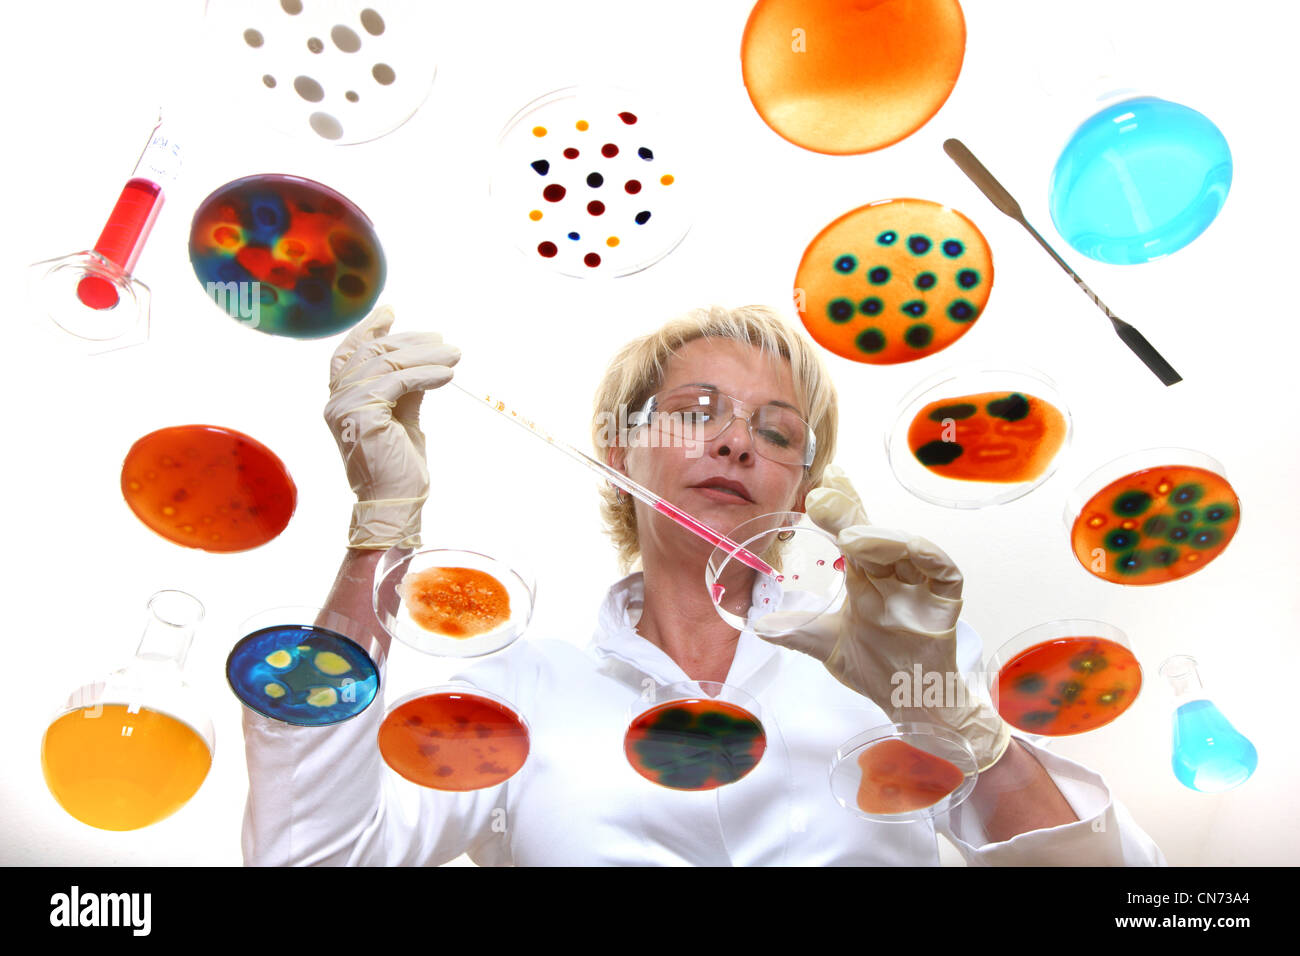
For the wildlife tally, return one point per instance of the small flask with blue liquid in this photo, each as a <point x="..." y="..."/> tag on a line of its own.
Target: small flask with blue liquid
<point x="1210" y="755"/>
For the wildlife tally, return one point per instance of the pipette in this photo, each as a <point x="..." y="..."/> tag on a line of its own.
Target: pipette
<point x="633" y="488"/>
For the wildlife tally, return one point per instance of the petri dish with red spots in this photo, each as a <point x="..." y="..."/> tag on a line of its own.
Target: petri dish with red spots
<point x="1064" y="677"/>
<point x="1152" y="516"/>
<point x="694" y="735"/>
<point x="589" y="182"/>
<point x="894" y="281"/>
<point x="452" y="603"/>
<point x="972" y="437"/>
<point x="287" y="256"/>
<point x="454" y="737"/>
<point x="903" y="773"/>
<point x="845" y="77"/>
<point x="208" y="487"/>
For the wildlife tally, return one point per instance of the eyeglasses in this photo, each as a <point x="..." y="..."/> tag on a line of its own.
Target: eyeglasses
<point x="697" y="413"/>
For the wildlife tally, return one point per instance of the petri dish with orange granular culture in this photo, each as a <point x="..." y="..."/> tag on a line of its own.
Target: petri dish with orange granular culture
<point x="903" y="773"/>
<point x="894" y="281"/>
<point x="451" y="603"/>
<point x="1064" y="677"/>
<point x="972" y="437"/>
<point x="454" y="737"/>
<point x="845" y="77"/>
<point x="1152" y="516"/>
<point x="208" y="487"/>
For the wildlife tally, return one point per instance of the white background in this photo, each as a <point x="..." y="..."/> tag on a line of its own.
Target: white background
<point x="82" y="82"/>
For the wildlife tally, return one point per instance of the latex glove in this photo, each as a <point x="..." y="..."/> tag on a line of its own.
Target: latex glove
<point x="903" y="600"/>
<point x="377" y="381"/>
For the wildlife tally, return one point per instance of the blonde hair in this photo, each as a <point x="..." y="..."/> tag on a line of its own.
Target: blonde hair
<point x="637" y="371"/>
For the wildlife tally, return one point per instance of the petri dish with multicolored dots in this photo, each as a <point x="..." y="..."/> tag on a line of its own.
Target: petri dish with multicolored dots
<point x="894" y="281"/>
<point x="1064" y="677"/>
<point x="845" y="77"/>
<point x="454" y="737"/>
<point x="287" y="256"/>
<point x="588" y="182"/>
<point x="973" y="437"/>
<point x="903" y="772"/>
<point x="208" y="487"/>
<point x="346" y="71"/>
<point x="694" y="735"/>
<point x="305" y="666"/>
<point x="1152" y="516"/>
<point x="452" y="603"/>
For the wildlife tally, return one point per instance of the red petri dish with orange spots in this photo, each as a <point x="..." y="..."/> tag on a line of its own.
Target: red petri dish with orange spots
<point x="844" y="77"/>
<point x="1169" y="517"/>
<point x="207" y="487"/>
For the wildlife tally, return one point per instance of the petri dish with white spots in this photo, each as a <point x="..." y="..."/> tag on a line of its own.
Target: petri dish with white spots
<point x="588" y="182"/>
<point x="337" y="72"/>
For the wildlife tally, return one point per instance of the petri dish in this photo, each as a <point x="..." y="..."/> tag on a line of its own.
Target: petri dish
<point x="451" y="603"/>
<point x="809" y="580"/>
<point x="588" y="182"/>
<point x="454" y="737"/>
<point x="1152" y="516"/>
<point x="208" y="487"/>
<point x="694" y="735"/>
<point x="287" y="256"/>
<point x="304" y="666"/>
<point x="844" y="77"/>
<point x="1064" y="677"/>
<point x="347" y="71"/>
<point x="903" y="773"/>
<point x="1138" y="180"/>
<point x="972" y="437"/>
<point x="894" y="281"/>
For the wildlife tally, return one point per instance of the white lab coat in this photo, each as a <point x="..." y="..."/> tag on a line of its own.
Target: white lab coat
<point x="324" y="795"/>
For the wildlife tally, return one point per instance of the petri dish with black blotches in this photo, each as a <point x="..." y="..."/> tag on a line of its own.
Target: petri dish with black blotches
<point x="287" y="256"/>
<point x="695" y="735"/>
<point x="208" y="487"/>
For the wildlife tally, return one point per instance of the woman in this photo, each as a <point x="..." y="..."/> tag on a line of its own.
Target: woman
<point x="763" y="445"/>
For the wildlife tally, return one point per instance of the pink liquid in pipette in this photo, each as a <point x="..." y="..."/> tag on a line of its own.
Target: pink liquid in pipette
<point x="708" y="534"/>
<point x="123" y="239"/>
<point x="717" y="590"/>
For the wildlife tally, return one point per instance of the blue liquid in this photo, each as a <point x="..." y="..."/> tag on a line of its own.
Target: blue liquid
<point x="1139" y="180"/>
<point x="1209" y="754"/>
<point x="279" y="672"/>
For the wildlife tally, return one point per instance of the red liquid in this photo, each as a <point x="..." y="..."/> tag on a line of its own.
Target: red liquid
<point x="457" y="602"/>
<point x="898" y="778"/>
<point x="123" y="239"/>
<point x="1067" y="686"/>
<point x="694" y="744"/>
<point x="711" y="536"/>
<point x="454" y="741"/>
<point x="206" y="487"/>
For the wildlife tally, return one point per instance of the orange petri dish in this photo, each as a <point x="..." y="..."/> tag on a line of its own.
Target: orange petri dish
<point x="201" y="486"/>
<point x="894" y="281"/>
<point x="843" y="76"/>
<point x="1156" y="525"/>
<point x="456" y="602"/>
<point x="1067" y="686"/>
<point x="900" y="778"/>
<point x="992" y="436"/>
<point x="453" y="740"/>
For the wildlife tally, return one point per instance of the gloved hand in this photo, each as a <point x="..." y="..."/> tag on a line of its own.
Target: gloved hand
<point x="376" y="383"/>
<point x="901" y="609"/>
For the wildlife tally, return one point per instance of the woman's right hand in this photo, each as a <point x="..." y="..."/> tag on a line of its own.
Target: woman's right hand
<point x="377" y="381"/>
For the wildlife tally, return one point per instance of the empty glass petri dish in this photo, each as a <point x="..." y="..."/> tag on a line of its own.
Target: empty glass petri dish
<point x="903" y="773"/>
<point x="809" y="579"/>
<point x="589" y="182"/>
<point x="305" y="666"/>
<point x="1152" y="516"/>
<point x="972" y="437"/>
<point x="694" y="735"/>
<point x="454" y="737"/>
<point x="451" y="603"/>
<point x="1064" y="677"/>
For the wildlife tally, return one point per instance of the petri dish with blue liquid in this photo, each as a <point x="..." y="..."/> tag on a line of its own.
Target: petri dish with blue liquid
<point x="304" y="666"/>
<point x="1140" y="179"/>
